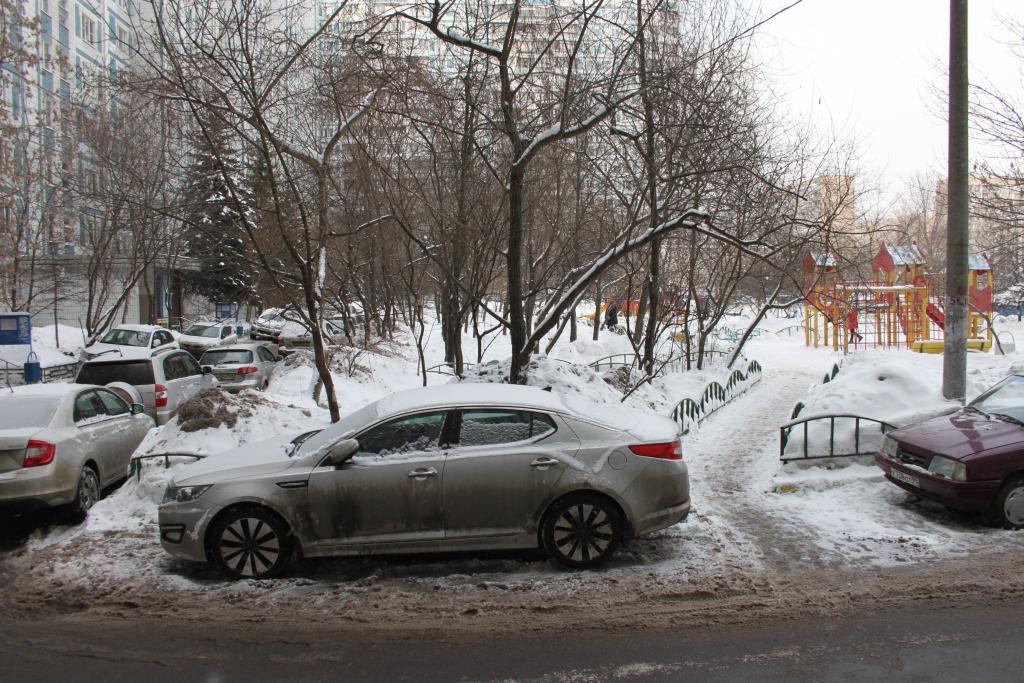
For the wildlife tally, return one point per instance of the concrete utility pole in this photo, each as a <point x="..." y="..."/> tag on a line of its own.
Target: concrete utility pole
<point x="954" y="363"/>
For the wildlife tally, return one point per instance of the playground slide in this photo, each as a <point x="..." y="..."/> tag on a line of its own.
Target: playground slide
<point x="936" y="314"/>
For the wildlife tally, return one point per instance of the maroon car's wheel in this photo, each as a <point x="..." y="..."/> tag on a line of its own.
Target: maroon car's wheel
<point x="1009" y="505"/>
<point x="582" y="530"/>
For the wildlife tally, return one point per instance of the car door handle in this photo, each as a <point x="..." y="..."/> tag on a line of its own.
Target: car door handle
<point x="543" y="462"/>
<point x="422" y="472"/>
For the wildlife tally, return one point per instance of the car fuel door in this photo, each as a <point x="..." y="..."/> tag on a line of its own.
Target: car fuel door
<point x="504" y="466"/>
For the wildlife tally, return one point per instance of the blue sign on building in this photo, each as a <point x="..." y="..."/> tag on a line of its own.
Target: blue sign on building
<point x="226" y="311"/>
<point x="16" y="328"/>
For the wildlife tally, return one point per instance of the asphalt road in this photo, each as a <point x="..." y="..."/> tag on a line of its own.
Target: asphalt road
<point x="922" y="642"/>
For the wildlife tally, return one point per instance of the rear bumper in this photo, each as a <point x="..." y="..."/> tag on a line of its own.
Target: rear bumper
<point x="237" y="385"/>
<point x="968" y="496"/>
<point x="662" y="519"/>
<point x="36" y="488"/>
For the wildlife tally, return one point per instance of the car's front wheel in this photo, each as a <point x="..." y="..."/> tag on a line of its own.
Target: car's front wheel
<point x="1009" y="506"/>
<point x="582" y="530"/>
<point x="251" y="543"/>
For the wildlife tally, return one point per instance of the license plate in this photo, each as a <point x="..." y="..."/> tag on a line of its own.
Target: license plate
<point x="905" y="478"/>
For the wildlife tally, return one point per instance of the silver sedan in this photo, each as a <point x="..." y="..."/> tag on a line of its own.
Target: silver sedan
<point x="62" y="444"/>
<point x="455" y="467"/>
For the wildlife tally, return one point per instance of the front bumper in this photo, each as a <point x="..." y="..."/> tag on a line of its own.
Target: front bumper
<point x="183" y="530"/>
<point x="968" y="496"/>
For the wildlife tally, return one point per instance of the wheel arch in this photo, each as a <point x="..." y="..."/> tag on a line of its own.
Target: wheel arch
<point x="246" y="505"/>
<point x="627" y="524"/>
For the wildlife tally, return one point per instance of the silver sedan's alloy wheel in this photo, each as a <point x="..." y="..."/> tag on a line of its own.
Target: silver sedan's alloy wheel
<point x="88" y="489"/>
<point x="249" y="546"/>
<point x="1013" y="506"/>
<point x="582" y="530"/>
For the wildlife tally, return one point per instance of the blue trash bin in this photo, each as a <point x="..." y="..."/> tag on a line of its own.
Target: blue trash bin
<point x="238" y="331"/>
<point x="33" y="370"/>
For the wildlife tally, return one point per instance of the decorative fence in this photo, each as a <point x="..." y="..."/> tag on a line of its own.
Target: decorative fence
<point x="861" y="446"/>
<point x="135" y="464"/>
<point x="689" y="412"/>
<point x="12" y="374"/>
<point x="448" y="369"/>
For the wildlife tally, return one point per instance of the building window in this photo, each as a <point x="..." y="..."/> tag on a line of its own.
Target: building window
<point x="90" y="32"/>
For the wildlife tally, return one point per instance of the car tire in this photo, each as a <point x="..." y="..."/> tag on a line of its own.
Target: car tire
<point x="87" y="493"/>
<point x="1008" y="509"/>
<point x="251" y="543"/>
<point x="582" y="530"/>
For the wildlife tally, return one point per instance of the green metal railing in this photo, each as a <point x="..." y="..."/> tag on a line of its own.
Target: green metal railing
<point x="689" y="412"/>
<point x="135" y="464"/>
<point x="786" y="429"/>
<point x="617" y="360"/>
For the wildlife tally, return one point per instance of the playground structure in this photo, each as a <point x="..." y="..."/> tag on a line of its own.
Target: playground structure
<point x="901" y="307"/>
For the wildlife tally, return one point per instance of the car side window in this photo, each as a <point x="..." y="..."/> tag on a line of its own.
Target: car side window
<point x="496" y="426"/>
<point x="405" y="435"/>
<point x="265" y="355"/>
<point x="88" y="406"/>
<point x="191" y="367"/>
<point x="225" y="332"/>
<point x="113" y="403"/>
<point x="162" y="338"/>
<point x="173" y="368"/>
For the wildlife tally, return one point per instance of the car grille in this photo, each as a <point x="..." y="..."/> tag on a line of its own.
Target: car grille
<point x="914" y="458"/>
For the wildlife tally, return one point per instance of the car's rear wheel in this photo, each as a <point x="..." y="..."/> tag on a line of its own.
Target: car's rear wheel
<point x="582" y="530"/>
<point x="88" y="493"/>
<point x="251" y="543"/>
<point x="1009" y="506"/>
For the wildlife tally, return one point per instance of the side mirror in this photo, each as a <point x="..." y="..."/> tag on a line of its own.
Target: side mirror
<point x="156" y="343"/>
<point x="278" y="358"/>
<point x="342" y="452"/>
<point x="138" y="408"/>
<point x="207" y="370"/>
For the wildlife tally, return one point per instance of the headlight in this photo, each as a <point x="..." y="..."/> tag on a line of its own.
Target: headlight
<point x="950" y="469"/>
<point x="183" y="494"/>
<point x="890" y="447"/>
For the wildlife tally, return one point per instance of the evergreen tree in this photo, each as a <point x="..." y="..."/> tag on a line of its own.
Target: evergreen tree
<point x="214" y="230"/>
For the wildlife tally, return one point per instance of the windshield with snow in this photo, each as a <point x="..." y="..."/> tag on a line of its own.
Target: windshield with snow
<point x="212" y="331"/>
<point x="1005" y="399"/>
<point x="237" y="357"/>
<point x="26" y="411"/>
<point x="126" y="338"/>
<point x="357" y="420"/>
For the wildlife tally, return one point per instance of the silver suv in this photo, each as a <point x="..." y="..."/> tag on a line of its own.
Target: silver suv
<point x="164" y="381"/>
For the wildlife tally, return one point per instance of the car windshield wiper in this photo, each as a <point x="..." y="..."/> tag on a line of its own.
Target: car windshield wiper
<point x="297" y="442"/>
<point x="972" y="409"/>
<point x="1007" y="418"/>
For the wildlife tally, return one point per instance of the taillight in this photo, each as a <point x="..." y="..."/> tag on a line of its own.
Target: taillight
<point x="161" y="395"/>
<point x="248" y="370"/>
<point x="39" y="453"/>
<point x="670" y="450"/>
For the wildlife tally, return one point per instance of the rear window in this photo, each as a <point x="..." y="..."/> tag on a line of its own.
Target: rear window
<point x="226" y="357"/>
<point x="137" y="373"/>
<point x="27" y="411"/>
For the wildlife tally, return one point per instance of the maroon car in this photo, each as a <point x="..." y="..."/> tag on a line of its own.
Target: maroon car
<point x="971" y="460"/>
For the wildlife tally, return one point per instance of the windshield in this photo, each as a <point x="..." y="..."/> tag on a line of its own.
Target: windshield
<point x="1004" y="399"/>
<point x="26" y="411"/>
<point x="212" y="331"/>
<point x="126" y="338"/>
<point x="363" y="417"/>
<point x="226" y="357"/>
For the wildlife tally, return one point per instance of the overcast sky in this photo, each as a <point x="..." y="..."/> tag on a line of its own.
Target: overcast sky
<point x="866" y="68"/>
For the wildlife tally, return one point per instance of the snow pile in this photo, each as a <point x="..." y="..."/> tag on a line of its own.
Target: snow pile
<point x="45" y="343"/>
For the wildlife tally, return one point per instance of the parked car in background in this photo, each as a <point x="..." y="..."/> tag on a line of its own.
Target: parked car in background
<point x="267" y="327"/>
<point x="200" y="336"/>
<point x="63" y="444"/>
<point x="242" y="366"/>
<point x="130" y="341"/>
<point x="164" y="381"/>
<point x="454" y="467"/>
<point x="971" y="460"/>
<point x="296" y="335"/>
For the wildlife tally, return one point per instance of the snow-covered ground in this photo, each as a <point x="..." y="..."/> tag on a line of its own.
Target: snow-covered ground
<point x="757" y="525"/>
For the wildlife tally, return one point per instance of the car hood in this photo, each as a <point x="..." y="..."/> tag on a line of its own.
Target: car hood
<point x="959" y="435"/>
<point x="198" y="341"/>
<point x="115" y="351"/>
<point x="255" y="459"/>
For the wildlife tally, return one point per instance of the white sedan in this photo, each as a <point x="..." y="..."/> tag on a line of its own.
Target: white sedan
<point x="131" y="341"/>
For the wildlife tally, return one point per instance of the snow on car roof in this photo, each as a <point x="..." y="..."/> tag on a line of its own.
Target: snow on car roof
<point x="56" y="389"/>
<point x="467" y="393"/>
<point x="139" y="328"/>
